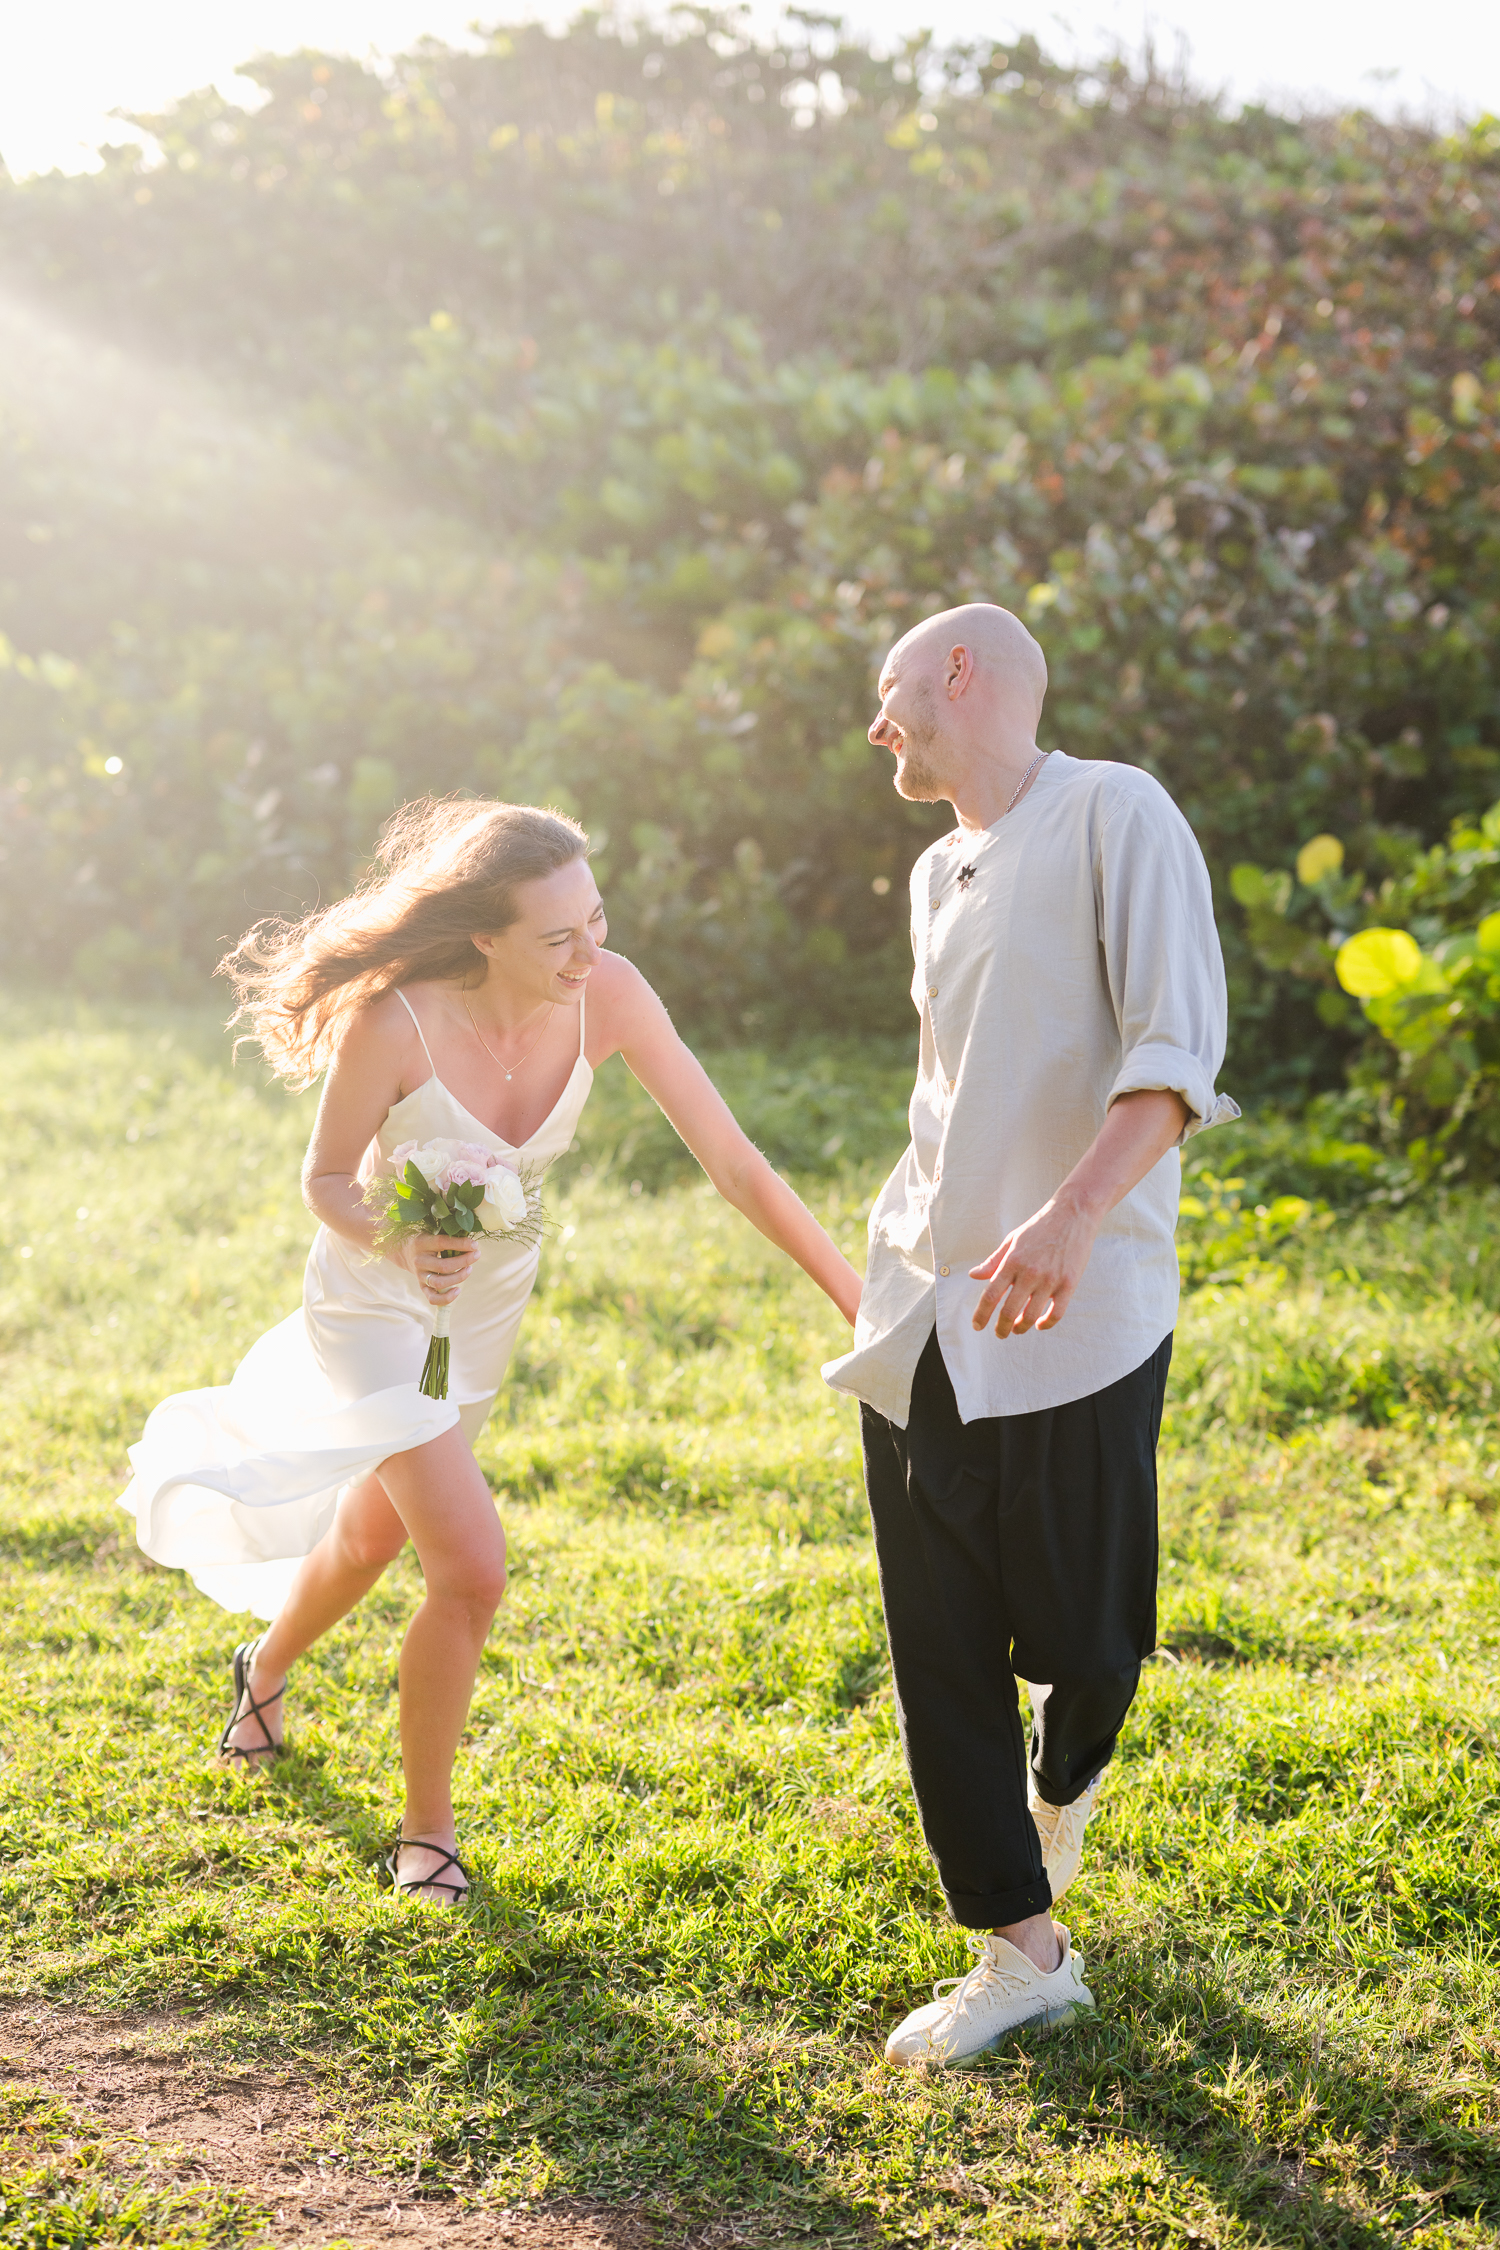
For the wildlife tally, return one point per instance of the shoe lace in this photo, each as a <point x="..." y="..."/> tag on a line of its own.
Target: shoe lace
<point x="987" y="1976"/>
<point x="1069" y="1821"/>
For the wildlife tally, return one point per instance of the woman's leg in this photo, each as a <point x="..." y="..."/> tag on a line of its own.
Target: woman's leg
<point x="437" y="1496"/>
<point x="445" y="1504"/>
<point x="365" y="1536"/>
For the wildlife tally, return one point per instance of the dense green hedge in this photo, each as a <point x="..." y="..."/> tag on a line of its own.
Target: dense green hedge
<point x="581" y="419"/>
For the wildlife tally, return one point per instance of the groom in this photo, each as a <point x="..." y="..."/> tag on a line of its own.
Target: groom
<point x="1016" y="1324"/>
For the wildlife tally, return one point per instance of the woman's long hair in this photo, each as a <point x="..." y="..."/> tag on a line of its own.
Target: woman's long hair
<point x="444" y="869"/>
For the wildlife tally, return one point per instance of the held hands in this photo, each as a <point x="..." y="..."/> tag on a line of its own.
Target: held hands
<point x="1033" y="1274"/>
<point x="440" y="1264"/>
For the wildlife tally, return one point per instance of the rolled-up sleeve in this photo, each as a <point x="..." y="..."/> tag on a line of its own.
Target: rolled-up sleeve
<point x="1162" y="957"/>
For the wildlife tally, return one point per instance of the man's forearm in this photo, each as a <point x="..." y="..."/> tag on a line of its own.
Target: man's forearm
<point x="1134" y="1137"/>
<point x="1033" y="1274"/>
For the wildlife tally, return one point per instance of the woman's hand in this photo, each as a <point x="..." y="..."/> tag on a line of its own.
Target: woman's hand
<point x="440" y="1263"/>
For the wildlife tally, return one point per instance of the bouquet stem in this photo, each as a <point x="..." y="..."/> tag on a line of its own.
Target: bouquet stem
<point x="435" y="1366"/>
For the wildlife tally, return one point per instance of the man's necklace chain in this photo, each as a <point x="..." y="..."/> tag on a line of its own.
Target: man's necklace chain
<point x="1026" y="776"/>
<point x="966" y="874"/>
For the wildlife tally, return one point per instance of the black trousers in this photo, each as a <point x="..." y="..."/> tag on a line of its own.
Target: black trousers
<point x="1021" y="1545"/>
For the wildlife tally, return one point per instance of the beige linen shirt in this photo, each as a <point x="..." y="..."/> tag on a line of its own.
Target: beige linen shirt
<point x="1064" y="957"/>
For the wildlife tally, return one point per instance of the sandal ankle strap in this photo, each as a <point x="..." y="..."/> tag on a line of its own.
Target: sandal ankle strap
<point x="434" y="1881"/>
<point x="244" y="1658"/>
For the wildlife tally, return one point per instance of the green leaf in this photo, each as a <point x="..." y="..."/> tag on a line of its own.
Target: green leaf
<point x="1253" y="887"/>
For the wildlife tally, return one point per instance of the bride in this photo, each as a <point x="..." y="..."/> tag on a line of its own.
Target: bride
<point x="463" y="992"/>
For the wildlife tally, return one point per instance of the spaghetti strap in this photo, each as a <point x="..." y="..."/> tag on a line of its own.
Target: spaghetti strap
<point x="583" y="1001"/>
<point x="411" y="1011"/>
<point x="237" y="1485"/>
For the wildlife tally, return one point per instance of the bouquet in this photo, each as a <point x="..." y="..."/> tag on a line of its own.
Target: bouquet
<point x="454" y="1188"/>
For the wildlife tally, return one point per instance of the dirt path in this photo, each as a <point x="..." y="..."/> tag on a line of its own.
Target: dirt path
<point x="197" y="2119"/>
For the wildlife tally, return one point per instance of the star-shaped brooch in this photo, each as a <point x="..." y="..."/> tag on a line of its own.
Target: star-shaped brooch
<point x="965" y="877"/>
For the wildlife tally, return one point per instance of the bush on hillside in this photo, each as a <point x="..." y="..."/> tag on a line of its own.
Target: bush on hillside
<point x="580" y="419"/>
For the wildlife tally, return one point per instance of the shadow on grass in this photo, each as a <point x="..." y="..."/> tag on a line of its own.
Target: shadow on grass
<point x="301" y="1779"/>
<point x="624" y="2105"/>
<point x="1393" y="2154"/>
<point x="518" y="2045"/>
<point x="1285" y="2129"/>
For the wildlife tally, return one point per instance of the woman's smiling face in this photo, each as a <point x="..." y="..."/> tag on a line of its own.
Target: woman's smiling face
<point x="554" y="944"/>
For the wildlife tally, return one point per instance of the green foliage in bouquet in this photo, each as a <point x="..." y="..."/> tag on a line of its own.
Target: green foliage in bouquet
<point x="499" y="1203"/>
<point x="410" y="1204"/>
<point x="1416" y="949"/>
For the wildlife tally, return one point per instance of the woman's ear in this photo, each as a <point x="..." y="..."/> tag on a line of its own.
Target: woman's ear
<point x="484" y="944"/>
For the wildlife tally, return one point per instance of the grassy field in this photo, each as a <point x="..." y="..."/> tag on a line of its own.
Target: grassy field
<point x="701" y="1895"/>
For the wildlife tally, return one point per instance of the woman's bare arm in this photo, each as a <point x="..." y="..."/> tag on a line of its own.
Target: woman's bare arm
<point x="365" y="1080"/>
<point x="643" y="1032"/>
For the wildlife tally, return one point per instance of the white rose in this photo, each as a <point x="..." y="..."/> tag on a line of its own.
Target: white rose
<point x="504" y="1205"/>
<point x="429" y="1161"/>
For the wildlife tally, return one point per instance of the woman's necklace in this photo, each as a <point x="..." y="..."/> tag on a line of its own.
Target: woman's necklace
<point x="489" y="1050"/>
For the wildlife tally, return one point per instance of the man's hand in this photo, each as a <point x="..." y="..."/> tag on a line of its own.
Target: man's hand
<point x="1032" y="1276"/>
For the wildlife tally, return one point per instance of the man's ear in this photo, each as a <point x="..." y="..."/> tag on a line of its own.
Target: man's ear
<point x="960" y="670"/>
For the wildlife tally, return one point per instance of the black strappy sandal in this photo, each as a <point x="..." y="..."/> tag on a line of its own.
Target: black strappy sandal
<point x="244" y="1657"/>
<point x="433" y="1882"/>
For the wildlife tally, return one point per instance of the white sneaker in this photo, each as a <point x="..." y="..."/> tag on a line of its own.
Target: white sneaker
<point x="1061" y="1828"/>
<point x="1001" y="1992"/>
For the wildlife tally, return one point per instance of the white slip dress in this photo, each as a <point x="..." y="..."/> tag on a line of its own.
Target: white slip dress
<point x="237" y="1484"/>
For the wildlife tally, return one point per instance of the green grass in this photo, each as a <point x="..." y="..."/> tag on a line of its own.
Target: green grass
<point x="702" y="1896"/>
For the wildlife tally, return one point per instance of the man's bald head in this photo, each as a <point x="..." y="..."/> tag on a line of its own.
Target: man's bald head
<point x="960" y="698"/>
<point x="1003" y="651"/>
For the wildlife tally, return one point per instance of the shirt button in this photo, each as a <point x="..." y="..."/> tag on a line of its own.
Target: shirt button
<point x="932" y="992"/>
<point x="943" y="1270"/>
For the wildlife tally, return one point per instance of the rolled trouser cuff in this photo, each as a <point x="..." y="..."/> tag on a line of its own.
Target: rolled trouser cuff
<point x="996" y="1910"/>
<point x="1060" y="1799"/>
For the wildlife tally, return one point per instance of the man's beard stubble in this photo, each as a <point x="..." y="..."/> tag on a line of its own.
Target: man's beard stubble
<point x="917" y="776"/>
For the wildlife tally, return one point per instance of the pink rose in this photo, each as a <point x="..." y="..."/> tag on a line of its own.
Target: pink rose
<point x="463" y="1171"/>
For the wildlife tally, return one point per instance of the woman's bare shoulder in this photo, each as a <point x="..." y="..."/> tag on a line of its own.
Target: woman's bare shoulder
<point x="620" y="1005"/>
<point x="382" y="1036"/>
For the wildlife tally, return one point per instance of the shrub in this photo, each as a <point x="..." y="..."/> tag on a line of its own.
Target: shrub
<point x="1420" y="952"/>
<point x="580" y="418"/>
